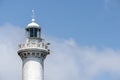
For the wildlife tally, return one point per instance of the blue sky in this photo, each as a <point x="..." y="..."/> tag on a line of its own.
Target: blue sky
<point x="87" y="28"/>
<point x="89" y="22"/>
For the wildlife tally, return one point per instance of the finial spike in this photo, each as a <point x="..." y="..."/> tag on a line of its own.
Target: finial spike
<point x="33" y="15"/>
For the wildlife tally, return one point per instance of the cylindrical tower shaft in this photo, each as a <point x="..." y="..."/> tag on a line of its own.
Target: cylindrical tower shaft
<point x="33" y="62"/>
<point x="33" y="69"/>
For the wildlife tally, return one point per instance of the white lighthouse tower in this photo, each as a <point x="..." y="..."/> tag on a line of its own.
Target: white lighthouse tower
<point x="33" y="53"/>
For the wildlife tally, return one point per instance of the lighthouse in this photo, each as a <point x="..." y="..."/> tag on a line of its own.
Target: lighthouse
<point x="33" y="52"/>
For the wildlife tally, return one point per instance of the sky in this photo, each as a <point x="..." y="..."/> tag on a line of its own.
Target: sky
<point x="84" y="37"/>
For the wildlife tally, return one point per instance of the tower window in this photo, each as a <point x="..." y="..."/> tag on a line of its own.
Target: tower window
<point x="35" y="32"/>
<point x="31" y="32"/>
<point x="27" y="32"/>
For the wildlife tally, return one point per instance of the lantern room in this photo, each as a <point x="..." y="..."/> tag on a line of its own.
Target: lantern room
<point x="33" y="30"/>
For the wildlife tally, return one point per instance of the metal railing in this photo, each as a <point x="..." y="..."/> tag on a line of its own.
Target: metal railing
<point x="33" y="45"/>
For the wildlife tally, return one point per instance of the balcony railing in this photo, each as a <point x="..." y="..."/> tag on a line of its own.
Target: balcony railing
<point x="33" y="45"/>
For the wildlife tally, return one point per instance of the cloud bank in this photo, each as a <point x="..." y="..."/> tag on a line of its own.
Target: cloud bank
<point x="111" y="4"/>
<point x="67" y="61"/>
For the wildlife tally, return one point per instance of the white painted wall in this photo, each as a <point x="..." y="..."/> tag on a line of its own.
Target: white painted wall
<point x="33" y="69"/>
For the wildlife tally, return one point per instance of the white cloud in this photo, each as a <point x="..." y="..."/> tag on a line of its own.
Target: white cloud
<point x="106" y="4"/>
<point x="72" y="61"/>
<point x="68" y="61"/>
<point x="10" y="67"/>
<point x="111" y="4"/>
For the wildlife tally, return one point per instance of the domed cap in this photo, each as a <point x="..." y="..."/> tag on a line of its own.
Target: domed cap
<point x="33" y="24"/>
